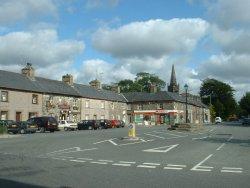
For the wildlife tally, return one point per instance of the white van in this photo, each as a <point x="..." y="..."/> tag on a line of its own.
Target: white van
<point x="218" y="120"/>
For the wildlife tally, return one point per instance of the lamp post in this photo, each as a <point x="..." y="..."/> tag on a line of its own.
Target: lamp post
<point x="186" y="89"/>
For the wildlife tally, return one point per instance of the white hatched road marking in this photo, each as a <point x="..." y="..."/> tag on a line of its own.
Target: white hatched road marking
<point x="87" y="159"/>
<point x="105" y="141"/>
<point x="129" y="162"/>
<point x="200" y="138"/>
<point x="232" y="171"/>
<point x="70" y="150"/>
<point x="222" y="145"/>
<point x="172" y="168"/>
<point x="154" y="135"/>
<point x="230" y="138"/>
<point x="176" y="135"/>
<point x="154" y="164"/>
<point x="112" y="142"/>
<point x="163" y="149"/>
<point x="198" y="167"/>
<point x="102" y="160"/>
<point x="173" y="165"/>
<point x="57" y="158"/>
<point x="231" y="168"/>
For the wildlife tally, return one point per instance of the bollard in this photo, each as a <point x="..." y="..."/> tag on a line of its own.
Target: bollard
<point x="131" y="131"/>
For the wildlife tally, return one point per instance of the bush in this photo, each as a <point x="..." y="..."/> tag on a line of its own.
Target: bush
<point x="2" y="129"/>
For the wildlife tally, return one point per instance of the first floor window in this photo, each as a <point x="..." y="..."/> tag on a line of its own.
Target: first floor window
<point x="4" y="96"/>
<point x="87" y="104"/>
<point x="102" y="104"/>
<point x="34" y="99"/>
<point x="86" y="117"/>
<point x="3" y="115"/>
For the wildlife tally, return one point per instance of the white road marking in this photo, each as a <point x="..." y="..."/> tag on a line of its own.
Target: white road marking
<point x="154" y="135"/>
<point x="154" y="164"/>
<point x="120" y="164"/>
<point x="104" y="141"/>
<point x="145" y="166"/>
<point x="58" y="158"/>
<point x="109" y="161"/>
<point x="198" y="167"/>
<point x="212" y="130"/>
<point x="112" y="142"/>
<point x="232" y="171"/>
<point x="70" y="150"/>
<point x="176" y="135"/>
<point x="79" y="161"/>
<point x="200" y="138"/>
<point x="142" y="140"/>
<point x="163" y="149"/>
<point x="65" y="157"/>
<point x="128" y="162"/>
<point x="87" y="159"/>
<point x="230" y="138"/>
<point x="96" y="162"/>
<point x="172" y="165"/>
<point x="220" y="146"/>
<point x="135" y="143"/>
<point x="231" y="168"/>
<point x="172" y="168"/>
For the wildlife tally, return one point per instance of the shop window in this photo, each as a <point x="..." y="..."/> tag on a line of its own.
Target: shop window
<point x="4" y="96"/>
<point x="34" y="99"/>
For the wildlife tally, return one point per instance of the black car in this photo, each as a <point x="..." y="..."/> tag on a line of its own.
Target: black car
<point x="246" y="121"/>
<point x="44" y="123"/>
<point x="104" y="123"/>
<point x="12" y="126"/>
<point x="88" y="125"/>
<point x="26" y="127"/>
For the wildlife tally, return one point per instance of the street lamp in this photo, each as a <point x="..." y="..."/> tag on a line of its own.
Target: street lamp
<point x="186" y="89"/>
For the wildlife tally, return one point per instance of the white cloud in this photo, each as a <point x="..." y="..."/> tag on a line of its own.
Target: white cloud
<point x="12" y="11"/>
<point x="42" y="48"/>
<point x="93" y="4"/>
<point x="153" y="38"/>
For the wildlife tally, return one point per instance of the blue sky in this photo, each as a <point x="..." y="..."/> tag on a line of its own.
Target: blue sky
<point x="115" y="39"/>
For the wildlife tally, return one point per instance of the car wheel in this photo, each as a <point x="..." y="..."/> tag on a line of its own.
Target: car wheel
<point x="22" y="131"/>
<point x="52" y="130"/>
<point x="65" y="128"/>
<point x="90" y="128"/>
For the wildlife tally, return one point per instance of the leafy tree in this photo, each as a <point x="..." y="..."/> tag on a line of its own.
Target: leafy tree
<point x="245" y="104"/>
<point x="221" y="95"/>
<point x="212" y="112"/>
<point x="141" y="83"/>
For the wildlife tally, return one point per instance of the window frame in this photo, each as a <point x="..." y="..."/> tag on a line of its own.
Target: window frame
<point x="7" y="96"/>
<point x="34" y="96"/>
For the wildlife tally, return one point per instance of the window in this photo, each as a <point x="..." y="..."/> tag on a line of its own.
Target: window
<point x="118" y="117"/>
<point x="34" y="99"/>
<point x="139" y="107"/>
<point x="32" y="114"/>
<point x="102" y="117"/>
<point x="4" y="96"/>
<point x="87" y="104"/>
<point x="86" y="117"/>
<point x="75" y="102"/>
<point x="3" y="115"/>
<point x="102" y="104"/>
<point x="159" y="105"/>
<point x="112" y="105"/>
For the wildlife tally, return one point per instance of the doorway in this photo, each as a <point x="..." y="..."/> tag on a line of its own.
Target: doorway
<point x="18" y="116"/>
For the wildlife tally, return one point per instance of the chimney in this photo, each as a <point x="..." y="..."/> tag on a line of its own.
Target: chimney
<point x="116" y="88"/>
<point x="68" y="79"/>
<point x="96" y="84"/>
<point x="29" y="71"/>
<point x="153" y="88"/>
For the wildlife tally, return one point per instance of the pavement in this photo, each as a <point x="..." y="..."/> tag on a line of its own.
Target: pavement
<point x="217" y="156"/>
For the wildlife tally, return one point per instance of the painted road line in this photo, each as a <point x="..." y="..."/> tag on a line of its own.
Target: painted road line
<point x="230" y="138"/>
<point x="153" y="164"/>
<point x="154" y="135"/>
<point x="172" y="168"/>
<point x="173" y="165"/>
<point x="198" y="167"/>
<point x="211" y="130"/>
<point x="222" y="145"/>
<point x="145" y="166"/>
<point x="87" y="159"/>
<point x="78" y="161"/>
<point x="163" y="149"/>
<point x="200" y="138"/>
<point x="58" y="158"/>
<point x="108" y="161"/>
<point x="135" y="143"/>
<point x="65" y="157"/>
<point x="176" y="135"/>
<point x="232" y="171"/>
<point x="104" y="141"/>
<point x="70" y="150"/>
<point x="112" y="142"/>
<point x="120" y="164"/>
<point x="231" y="168"/>
<point x="97" y="162"/>
<point x="128" y="162"/>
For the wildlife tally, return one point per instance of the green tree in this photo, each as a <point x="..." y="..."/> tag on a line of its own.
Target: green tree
<point x="245" y="104"/>
<point x="221" y="96"/>
<point x="212" y="112"/>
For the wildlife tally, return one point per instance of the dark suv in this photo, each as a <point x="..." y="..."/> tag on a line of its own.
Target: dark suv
<point x="88" y="125"/>
<point x="12" y="126"/>
<point x="44" y="123"/>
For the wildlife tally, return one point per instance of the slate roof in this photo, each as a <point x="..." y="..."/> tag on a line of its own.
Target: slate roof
<point x="16" y="81"/>
<point x="159" y="96"/>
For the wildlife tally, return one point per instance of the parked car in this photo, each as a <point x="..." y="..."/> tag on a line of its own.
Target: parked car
<point x="45" y="123"/>
<point x="105" y="124"/>
<point x="26" y="127"/>
<point x="67" y="125"/>
<point x="12" y="127"/>
<point x="115" y="123"/>
<point x="122" y="123"/>
<point x="218" y="120"/>
<point x="246" y="121"/>
<point x="88" y="124"/>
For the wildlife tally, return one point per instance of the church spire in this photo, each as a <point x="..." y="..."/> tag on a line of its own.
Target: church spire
<point x="173" y="86"/>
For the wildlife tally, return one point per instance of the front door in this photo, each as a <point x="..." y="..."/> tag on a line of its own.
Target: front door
<point x="18" y="116"/>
